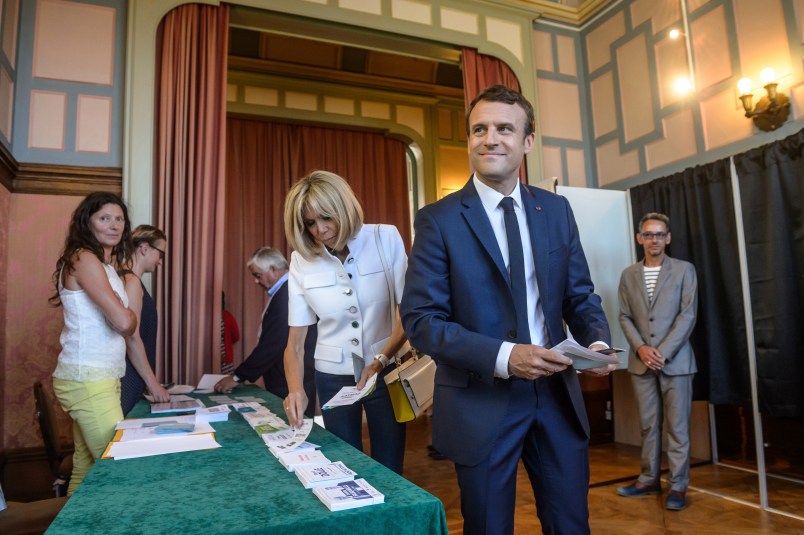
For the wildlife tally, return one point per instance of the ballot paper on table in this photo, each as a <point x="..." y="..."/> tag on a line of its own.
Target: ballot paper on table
<point x="279" y="449"/>
<point x="250" y="399"/>
<point x="348" y="495"/>
<point x="324" y="474"/>
<point x="218" y="413"/>
<point x="189" y="404"/>
<point x="180" y="389"/>
<point x="161" y="430"/>
<point x="297" y="436"/>
<point x="173" y="397"/>
<point x="207" y="383"/>
<point x="133" y="423"/>
<point x="248" y="407"/>
<point x="293" y="459"/>
<point x="348" y="395"/>
<point x="583" y="358"/>
<point x="160" y="446"/>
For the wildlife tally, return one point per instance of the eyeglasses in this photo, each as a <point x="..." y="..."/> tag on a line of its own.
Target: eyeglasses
<point x="650" y="236"/>
<point x="161" y="252"/>
<point x="256" y="275"/>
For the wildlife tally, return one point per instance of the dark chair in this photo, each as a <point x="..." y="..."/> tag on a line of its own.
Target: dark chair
<point x="32" y="518"/>
<point x="61" y="463"/>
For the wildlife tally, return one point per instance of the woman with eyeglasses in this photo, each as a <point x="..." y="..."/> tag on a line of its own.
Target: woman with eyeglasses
<point x="148" y="253"/>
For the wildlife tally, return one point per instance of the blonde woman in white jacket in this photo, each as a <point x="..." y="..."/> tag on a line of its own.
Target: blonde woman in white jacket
<point x="337" y="280"/>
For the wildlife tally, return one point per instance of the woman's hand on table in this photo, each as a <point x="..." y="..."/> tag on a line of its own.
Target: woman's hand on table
<point x="294" y="406"/>
<point x="159" y="393"/>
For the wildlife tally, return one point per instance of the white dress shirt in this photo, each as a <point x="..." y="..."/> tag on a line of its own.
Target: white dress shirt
<point x="491" y="203"/>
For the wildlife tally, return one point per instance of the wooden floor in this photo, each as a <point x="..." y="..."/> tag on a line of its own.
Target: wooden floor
<point x="712" y="496"/>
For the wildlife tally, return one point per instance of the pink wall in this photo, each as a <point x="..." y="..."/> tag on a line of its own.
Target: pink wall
<point x="36" y="231"/>
<point x="5" y="201"/>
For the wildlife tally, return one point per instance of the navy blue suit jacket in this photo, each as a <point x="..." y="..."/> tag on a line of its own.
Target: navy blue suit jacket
<point x="458" y="308"/>
<point x="267" y="358"/>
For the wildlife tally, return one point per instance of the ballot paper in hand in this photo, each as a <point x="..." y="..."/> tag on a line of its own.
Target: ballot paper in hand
<point x="348" y="395"/>
<point x="299" y="435"/>
<point x="207" y="383"/>
<point x="583" y="358"/>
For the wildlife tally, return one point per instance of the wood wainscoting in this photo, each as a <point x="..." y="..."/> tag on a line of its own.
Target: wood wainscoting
<point x="52" y="179"/>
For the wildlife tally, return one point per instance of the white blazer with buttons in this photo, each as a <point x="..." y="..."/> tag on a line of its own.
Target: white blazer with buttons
<point x="350" y="300"/>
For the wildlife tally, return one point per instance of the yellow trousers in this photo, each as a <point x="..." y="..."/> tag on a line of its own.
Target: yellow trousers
<point x="95" y="410"/>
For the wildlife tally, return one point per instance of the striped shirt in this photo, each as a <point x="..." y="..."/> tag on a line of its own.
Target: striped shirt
<point x="651" y="276"/>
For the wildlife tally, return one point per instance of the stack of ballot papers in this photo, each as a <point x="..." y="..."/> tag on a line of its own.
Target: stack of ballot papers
<point x="144" y="437"/>
<point x="333" y="482"/>
<point x="179" y="403"/>
<point x="294" y="459"/>
<point x="218" y="413"/>
<point x="264" y="421"/>
<point x="583" y="358"/>
<point x="281" y="446"/>
<point x="289" y="439"/>
<point x="348" y="495"/>
<point x="324" y="474"/>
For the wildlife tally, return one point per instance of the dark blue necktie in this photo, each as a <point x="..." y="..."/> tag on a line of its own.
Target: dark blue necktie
<point x="516" y="270"/>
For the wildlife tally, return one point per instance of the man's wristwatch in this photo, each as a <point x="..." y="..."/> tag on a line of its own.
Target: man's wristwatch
<point x="236" y="379"/>
<point x="384" y="360"/>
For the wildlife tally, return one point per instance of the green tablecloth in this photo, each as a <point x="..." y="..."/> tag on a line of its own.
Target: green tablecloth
<point x="238" y="488"/>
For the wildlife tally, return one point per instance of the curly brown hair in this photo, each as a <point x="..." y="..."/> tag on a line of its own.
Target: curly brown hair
<point x="80" y="236"/>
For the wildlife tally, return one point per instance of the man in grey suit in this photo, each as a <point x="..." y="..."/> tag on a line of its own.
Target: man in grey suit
<point x="658" y="304"/>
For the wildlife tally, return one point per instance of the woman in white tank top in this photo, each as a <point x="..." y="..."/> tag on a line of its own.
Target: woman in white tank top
<point x="96" y="320"/>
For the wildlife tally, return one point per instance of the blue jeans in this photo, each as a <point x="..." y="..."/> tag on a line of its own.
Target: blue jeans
<point x="386" y="435"/>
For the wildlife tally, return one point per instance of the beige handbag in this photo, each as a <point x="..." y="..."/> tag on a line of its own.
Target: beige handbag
<point x="410" y="385"/>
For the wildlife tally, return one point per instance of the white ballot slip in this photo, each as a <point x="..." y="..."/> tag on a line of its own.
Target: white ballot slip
<point x="324" y="474"/>
<point x="349" y="394"/>
<point x="134" y="423"/>
<point x="160" y="446"/>
<point x="298" y="437"/>
<point x="279" y="449"/>
<point x="162" y="430"/>
<point x="180" y="389"/>
<point x="583" y="358"/>
<point x="219" y="413"/>
<point x="207" y="383"/>
<point x="348" y="495"/>
<point x="294" y="459"/>
<point x="177" y="406"/>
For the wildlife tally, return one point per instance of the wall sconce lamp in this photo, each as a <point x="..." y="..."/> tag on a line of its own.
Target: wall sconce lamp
<point x="772" y="110"/>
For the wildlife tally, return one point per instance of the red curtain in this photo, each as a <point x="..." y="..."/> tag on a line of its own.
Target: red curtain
<point x="192" y="43"/>
<point x="481" y="71"/>
<point x="263" y="160"/>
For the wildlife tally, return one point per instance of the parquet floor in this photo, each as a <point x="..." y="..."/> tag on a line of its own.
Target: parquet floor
<point x="611" y="466"/>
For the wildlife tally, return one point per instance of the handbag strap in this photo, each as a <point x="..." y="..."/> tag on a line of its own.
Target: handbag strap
<point x="387" y="271"/>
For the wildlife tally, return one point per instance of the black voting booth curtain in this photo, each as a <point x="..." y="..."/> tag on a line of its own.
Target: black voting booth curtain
<point x="700" y="205"/>
<point x="771" y="182"/>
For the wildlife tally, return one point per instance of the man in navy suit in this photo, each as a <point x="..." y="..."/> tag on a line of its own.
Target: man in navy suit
<point x="269" y="268"/>
<point x="500" y="393"/>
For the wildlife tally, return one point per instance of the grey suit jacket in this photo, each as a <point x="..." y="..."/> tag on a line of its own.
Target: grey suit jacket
<point x="666" y="323"/>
